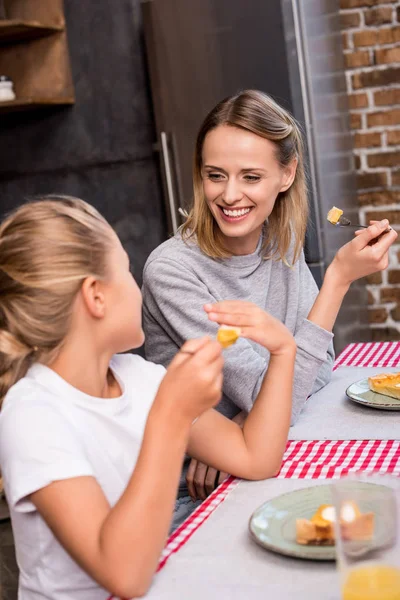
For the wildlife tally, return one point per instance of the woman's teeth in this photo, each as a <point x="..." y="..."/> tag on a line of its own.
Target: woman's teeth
<point x="235" y="213"/>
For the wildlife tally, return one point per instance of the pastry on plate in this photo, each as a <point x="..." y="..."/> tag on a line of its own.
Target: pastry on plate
<point x="334" y="215"/>
<point x="228" y="335"/>
<point x="320" y="529"/>
<point x="387" y="384"/>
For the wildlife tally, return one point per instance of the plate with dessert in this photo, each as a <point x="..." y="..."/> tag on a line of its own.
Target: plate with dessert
<point x="379" y="391"/>
<point x="301" y="524"/>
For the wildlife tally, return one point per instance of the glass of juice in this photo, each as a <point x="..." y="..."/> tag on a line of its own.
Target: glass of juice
<point x="367" y="537"/>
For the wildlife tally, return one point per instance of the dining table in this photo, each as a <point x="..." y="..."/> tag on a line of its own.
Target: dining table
<point x="212" y="555"/>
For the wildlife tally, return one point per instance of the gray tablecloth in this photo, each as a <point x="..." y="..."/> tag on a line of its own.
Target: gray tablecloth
<point x="222" y="562"/>
<point x="330" y="415"/>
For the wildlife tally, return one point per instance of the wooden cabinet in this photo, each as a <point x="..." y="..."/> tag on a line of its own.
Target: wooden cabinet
<point x="34" y="54"/>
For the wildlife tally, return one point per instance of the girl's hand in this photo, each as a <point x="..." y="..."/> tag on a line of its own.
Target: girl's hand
<point x="255" y="324"/>
<point x="193" y="382"/>
<point x="359" y="257"/>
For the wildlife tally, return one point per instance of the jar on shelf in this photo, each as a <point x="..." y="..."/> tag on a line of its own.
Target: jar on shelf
<point x="6" y="89"/>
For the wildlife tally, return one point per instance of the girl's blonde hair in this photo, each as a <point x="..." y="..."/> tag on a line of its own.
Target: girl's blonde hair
<point x="258" y="113"/>
<point x="47" y="248"/>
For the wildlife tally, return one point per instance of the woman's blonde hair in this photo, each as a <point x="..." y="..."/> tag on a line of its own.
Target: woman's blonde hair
<point x="47" y="248"/>
<point x="258" y="113"/>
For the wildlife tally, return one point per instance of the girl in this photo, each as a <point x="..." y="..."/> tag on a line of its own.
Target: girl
<point x="91" y="441"/>
<point x="243" y="239"/>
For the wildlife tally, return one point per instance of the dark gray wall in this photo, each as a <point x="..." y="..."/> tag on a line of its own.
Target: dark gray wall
<point x="101" y="148"/>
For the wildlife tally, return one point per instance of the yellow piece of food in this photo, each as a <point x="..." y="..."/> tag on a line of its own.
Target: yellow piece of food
<point x="387" y="384"/>
<point x="319" y="530"/>
<point x="228" y="335"/>
<point x="334" y="215"/>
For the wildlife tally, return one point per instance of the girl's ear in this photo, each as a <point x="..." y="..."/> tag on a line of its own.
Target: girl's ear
<point x="93" y="297"/>
<point x="289" y="175"/>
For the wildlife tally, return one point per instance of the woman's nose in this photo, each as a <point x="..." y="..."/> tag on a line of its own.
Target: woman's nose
<point x="232" y="192"/>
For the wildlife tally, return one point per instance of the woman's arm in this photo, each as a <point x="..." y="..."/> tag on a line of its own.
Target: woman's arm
<point x="254" y="452"/>
<point x="119" y="547"/>
<point x="354" y="260"/>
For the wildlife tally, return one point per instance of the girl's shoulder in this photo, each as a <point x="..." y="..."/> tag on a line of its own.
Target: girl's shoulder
<point x="132" y="368"/>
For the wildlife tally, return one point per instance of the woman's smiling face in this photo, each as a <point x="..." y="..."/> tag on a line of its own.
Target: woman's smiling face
<point x="241" y="181"/>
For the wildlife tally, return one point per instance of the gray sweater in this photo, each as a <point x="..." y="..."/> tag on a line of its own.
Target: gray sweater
<point x="179" y="279"/>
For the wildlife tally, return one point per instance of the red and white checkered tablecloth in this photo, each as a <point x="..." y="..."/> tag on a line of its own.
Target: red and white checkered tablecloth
<point x="315" y="459"/>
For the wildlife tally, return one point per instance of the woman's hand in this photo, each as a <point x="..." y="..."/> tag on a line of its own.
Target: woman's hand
<point x="360" y="257"/>
<point x="202" y="479"/>
<point x="255" y="324"/>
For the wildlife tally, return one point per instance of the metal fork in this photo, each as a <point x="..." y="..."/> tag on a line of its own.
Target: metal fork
<point x="344" y="222"/>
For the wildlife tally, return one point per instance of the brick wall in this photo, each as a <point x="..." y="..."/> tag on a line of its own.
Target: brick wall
<point x="371" y="43"/>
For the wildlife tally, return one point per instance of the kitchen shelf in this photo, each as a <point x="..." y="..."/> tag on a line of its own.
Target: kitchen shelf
<point x="15" y="30"/>
<point x="20" y="104"/>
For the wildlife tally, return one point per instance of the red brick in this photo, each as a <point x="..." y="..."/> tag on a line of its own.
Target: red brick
<point x="351" y="19"/>
<point x="368" y="37"/>
<point x="384" y="334"/>
<point x="387" y="97"/>
<point x="358" y="101"/>
<point x="384" y="118"/>
<point x="360" y="58"/>
<point x="396" y="178"/>
<point x="357" y="162"/>
<point x="367" y="140"/>
<point x="393" y="137"/>
<point x="384" y="159"/>
<point x="390" y="294"/>
<point x="394" y="276"/>
<point x="377" y="315"/>
<point x="345" y="41"/>
<point x="371" y="180"/>
<point x="379" y="198"/>
<point x="395" y="313"/>
<point x="392" y="215"/>
<point x="377" y="78"/>
<point x="378" y="16"/>
<point x="374" y="279"/>
<point x="385" y="56"/>
<point x="371" y="299"/>
<point x="355" y="121"/>
<point x="389" y="35"/>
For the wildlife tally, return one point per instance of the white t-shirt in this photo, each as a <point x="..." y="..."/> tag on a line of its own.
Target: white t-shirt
<point x="51" y="431"/>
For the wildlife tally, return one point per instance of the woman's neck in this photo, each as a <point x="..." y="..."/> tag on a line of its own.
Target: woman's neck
<point x="242" y="246"/>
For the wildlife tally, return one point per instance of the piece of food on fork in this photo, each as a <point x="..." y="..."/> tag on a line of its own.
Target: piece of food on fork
<point x="334" y="215"/>
<point x="228" y="335"/>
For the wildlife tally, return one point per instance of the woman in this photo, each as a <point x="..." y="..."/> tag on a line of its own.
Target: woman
<point x="244" y="240"/>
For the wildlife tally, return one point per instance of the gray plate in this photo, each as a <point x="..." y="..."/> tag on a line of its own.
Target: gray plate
<point x="273" y="524"/>
<point x="360" y="392"/>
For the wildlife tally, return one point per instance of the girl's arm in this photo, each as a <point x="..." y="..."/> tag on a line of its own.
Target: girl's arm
<point x="119" y="547"/>
<point x="254" y="452"/>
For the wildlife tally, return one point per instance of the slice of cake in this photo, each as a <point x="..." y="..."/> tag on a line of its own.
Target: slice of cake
<point x="334" y="215"/>
<point x="320" y="529"/>
<point x="387" y="384"/>
<point x="228" y="335"/>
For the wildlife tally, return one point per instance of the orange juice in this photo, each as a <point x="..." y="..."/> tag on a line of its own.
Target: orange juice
<point x="372" y="582"/>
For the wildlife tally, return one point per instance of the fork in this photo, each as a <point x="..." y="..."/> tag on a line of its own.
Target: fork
<point x="344" y="222"/>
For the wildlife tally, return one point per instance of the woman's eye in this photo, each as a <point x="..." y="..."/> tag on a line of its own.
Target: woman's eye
<point x="252" y="178"/>
<point x="214" y="176"/>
